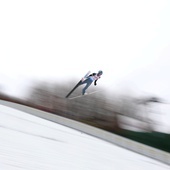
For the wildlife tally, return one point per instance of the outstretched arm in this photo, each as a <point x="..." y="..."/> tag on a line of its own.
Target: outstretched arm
<point x="95" y="82"/>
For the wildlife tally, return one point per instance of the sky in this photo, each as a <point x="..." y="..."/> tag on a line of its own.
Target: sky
<point x="62" y="40"/>
<point x="23" y="140"/>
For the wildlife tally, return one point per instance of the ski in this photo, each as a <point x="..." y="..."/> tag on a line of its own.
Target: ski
<point x="77" y="85"/>
<point x="84" y="95"/>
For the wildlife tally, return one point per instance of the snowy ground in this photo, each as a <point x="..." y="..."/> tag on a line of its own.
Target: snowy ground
<point x="31" y="143"/>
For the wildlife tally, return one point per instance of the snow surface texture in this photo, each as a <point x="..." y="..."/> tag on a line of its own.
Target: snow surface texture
<point x="31" y="143"/>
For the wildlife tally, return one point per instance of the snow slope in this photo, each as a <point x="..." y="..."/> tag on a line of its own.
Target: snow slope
<point x="32" y="143"/>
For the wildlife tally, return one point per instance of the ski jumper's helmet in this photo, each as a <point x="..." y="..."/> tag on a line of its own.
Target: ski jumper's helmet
<point x="100" y="72"/>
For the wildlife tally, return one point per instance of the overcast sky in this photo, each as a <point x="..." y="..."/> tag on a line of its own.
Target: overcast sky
<point x="62" y="40"/>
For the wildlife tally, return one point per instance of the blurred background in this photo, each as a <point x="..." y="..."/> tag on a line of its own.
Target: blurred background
<point x="48" y="46"/>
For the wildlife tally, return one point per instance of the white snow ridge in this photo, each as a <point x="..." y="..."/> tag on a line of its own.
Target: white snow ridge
<point x="28" y="142"/>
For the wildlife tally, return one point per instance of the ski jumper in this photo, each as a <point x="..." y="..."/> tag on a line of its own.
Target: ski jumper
<point x="91" y="78"/>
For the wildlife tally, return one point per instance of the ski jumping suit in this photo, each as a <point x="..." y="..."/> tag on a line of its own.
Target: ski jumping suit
<point x="92" y="77"/>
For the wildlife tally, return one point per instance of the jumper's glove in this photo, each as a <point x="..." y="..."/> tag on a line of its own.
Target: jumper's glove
<point x="95" y="84"/>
